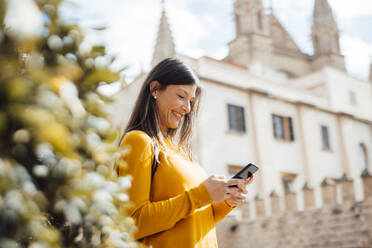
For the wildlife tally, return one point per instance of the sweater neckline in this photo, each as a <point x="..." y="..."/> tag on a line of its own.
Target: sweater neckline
<point x="170" y="143"/>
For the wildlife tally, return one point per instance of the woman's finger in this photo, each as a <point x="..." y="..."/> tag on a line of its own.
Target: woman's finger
<point x="249" y="180"/>
<point x="231" y="190"/>
<point x="243" y="189"/>
<point x="227" y="196"/>
<point x="235" y="181"/>
<point x="241" y="186"/>
<point x="231" y="203"/>
<point x="238" y="196"/>
<point x="236" y="201"/>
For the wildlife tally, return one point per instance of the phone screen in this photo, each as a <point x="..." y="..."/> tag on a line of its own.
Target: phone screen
<point x="245" y="173"/>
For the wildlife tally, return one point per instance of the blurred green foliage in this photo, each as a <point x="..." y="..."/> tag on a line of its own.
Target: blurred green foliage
<point x="57" y="186"/>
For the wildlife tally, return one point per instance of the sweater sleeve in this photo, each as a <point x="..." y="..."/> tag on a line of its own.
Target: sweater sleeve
<point x="154" y="217"/>
<point x="220" y="210"/>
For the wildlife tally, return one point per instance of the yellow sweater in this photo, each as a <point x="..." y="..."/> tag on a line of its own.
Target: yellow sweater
<point x="180" y="212"/>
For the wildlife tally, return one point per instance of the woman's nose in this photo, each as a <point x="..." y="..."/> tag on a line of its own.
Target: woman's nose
<point x="186" y="107"/>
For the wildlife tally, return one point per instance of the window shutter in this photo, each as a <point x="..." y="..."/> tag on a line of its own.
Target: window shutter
<point x="231" y="117"/>
<point x="236" y="118"/>
<point x="290" y="127"/>
<point x="278" y="127"/>
<point x="240" y="119"/>
<point x="325" y="137"/>
<point x="274" y="126"/>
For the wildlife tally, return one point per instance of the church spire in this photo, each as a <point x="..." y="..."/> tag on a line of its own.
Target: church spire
<point x="165" y="47"/>
<point x="252" y="44"/>
<point x="370" y="69"/>
<point x="325" y="31"/>
<point x="325" y="36"/>
<point x="250" y="17"/>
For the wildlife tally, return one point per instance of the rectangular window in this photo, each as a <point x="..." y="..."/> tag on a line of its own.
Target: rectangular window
<point x="287" y="181"/>
<point x="233" y="169"/>
<point x="283" y="128"/>
<point x="278" y="127"/>
<point x="236" y="118"/>
<point x="325" y="138"/>
<point x="287" y="184"/>
<point x="352" y="97"/>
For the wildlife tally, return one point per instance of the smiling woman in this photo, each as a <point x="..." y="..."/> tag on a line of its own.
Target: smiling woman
<point x="174" y="102"/>
<point x="169" y="99"/>
<point x="178" y="206"/>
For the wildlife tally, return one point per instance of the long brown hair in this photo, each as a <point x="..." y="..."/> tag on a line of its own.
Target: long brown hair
<point x="145" y="116"/>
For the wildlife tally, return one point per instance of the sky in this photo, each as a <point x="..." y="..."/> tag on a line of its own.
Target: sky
<point x="204" y="28"/>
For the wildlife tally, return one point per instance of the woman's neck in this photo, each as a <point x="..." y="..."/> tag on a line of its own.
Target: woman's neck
<point x="164" y="131"/>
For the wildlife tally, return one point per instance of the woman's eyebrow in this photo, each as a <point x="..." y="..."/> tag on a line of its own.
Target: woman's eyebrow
<point x="187" y="93"/>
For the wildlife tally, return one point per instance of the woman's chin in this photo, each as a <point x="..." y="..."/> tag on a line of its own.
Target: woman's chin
<point x="174" y="125"/>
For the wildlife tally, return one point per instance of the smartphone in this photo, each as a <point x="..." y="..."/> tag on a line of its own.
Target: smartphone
<point x="245" y="173"/>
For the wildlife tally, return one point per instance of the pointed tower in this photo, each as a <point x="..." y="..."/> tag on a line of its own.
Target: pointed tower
<point x="165" y="47"/>
<point x="252" y="42"/>
<point x="370" y="69"/>
<point x="249" y="17"/>
<point x="325" y="36"/>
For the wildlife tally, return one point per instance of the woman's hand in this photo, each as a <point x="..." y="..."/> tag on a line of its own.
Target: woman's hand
<point x="216" y="187"/>
<point x="219" y="189"/>
<point x="236" y="196"/>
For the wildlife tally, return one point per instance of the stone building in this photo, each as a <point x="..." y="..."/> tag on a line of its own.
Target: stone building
<point x="334" y="225"/>
<point x="301" y="118"/>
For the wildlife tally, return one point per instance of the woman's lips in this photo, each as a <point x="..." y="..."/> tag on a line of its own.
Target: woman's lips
<point x="177" y="115"/>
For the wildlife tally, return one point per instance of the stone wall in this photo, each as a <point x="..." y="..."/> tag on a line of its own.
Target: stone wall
<point x="348" y="224"/>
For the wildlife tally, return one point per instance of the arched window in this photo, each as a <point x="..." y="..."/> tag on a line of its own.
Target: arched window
<point x="316" y="44"/>
<point x="259" y="21"/>
<point x="337" y="43"/>
<point x="363" y="157"/>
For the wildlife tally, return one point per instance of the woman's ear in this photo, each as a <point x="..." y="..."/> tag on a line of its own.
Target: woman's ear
<point x="154" y="85"/>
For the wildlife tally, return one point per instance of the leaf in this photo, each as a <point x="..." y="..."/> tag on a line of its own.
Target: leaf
<point x="101" y="75"/>
<point x="100" y="28"/>
<point x="98" y="51"/>
<point x="58" y="136"/>
<point x="3" y="121"/>
<point x="19" y="89"/>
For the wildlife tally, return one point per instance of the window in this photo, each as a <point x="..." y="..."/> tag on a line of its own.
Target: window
<point x="287" y="184"/>
<point x="352" y="97"/>
<point x="337" y="43"/>
<point x="287" y="181"/>
<point x="233" y="169"/>
<point x="259" y="21"/>
<point x="283" y="128"/>
<point x="236" y="118"/>
<point x="363" y="156"/>
<point x="316" y="43"/>
<point x="278" y="127"/>
<point x="325" y="138"/>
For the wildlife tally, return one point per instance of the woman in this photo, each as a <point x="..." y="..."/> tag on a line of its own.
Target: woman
<point x="179" y="206"/>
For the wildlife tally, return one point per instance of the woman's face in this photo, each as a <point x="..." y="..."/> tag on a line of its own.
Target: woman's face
<point x="173" y="103"/>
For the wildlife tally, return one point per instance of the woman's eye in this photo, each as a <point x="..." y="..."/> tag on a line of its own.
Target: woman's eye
<point x="182" y="97"/>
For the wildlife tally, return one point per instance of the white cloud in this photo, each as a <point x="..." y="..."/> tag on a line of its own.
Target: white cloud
<point x="220" y="53"/>
<point x="357" y="54"/>
<point x="349" y="9"/>
<point x="342" y="8"/>
<point x="23" y="19"/>
<point x="209" y="21"/>
<point x="296" y="16"/>
<point x="292" y="9"/>
<point x="188" y="29"/>
<point x="132" y="33"/>
<point x="133" y="25"/>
